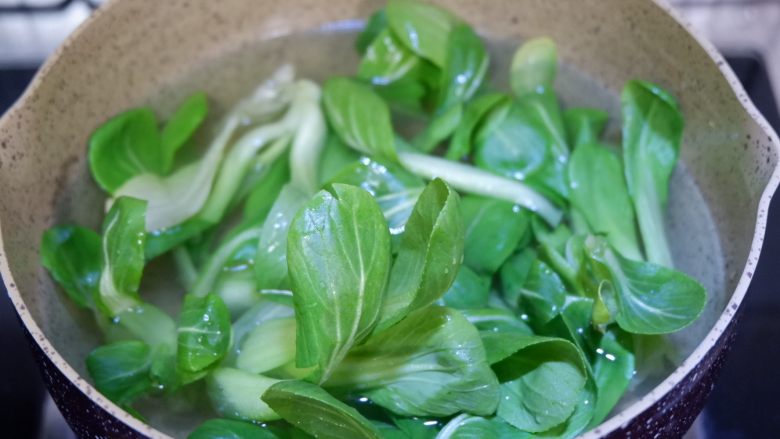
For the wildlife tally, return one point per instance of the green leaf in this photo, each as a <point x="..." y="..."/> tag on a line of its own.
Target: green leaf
<point x="395" y="189"/>
<point x="181" y="126"/>
<point x="122" y="256"/>
<point x="648" y="298"/>
<point x="502" y="333"/>
<point x="541" y="383"/>
<point x="126" y="145"/>
<point x="534" y="65"/>
<point x="474" y="427"/>
<point x="316" y="412"/>
<point x="230" y="429"/>
<point x="72" y="256"/>
<point x="335" y="158"/>
<point x="612" y="370"/>
<point x="584" y="125"/>
<point x="543" y="295"/>
<point x="271" y="259"/>
<point x="574" y="323"/>
<point x="387" y="60"/>
<point x="359" y="117"/>
<point x="494" y="228"/>
<point x="261" y="199"/>
<point x="579" y="419"/>
<point x="652" y="132"/>
<point x="526" y="140"/>
<point x="234" y="254"/>
<point x="465" y="65"/>
<point x="376" y="23"/>
<point x="469" y="290"/>
<point x="430" y="254"/>
<point x="236" y="394"/>
<point x="203" y="333"/>
<point x="121" y="370"/>
<point x="475" y="112"/>
<point x="599" y="193"/>
<point x="336" y="307"/>
<point x="422" y="27"/>
<point x="432" y="363"/>
<point x="269" y="345"/>
<point x="439" y="129"/>
<point x="514" y="276"/>
<point x="509" y="145"/>
<point x="159" y="242"/>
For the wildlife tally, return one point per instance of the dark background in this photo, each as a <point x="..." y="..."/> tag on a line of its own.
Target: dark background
<point x="745" y="402"/>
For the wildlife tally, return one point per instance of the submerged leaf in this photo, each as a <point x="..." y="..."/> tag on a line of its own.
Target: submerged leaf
<point x="123" y="261"/>
<point x="541" y="383"/>
<point x="72" y="256"/>
<point x="203" y="333"/>
<point x="534" y="65"/>
<point x="431" y="363"/>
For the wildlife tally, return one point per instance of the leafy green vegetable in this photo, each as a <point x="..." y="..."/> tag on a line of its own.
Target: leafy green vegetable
<point x="534" y="66"/>
<point x="230" y="429"/>
<point x="375" y="24"/>
<point x="181" y="126"/>
<point x="494" y="229"/>
<point x="345" y="231"/>
<point x="469" y="290"/>
<point x="465" y="66"/>
<point x="514" y="275"/>
<point x="395" y="189"/>
<point x="474" y="427"/>
<point x="121" y="370"/>
<point x="386" y="60"/>
<point x="652" y="132"/>
<point x="584" y="125"/>
<point x="122" y="256"/>
<point x="431" y="363"/>
<point x="72" y="256"/>
<point x="422" y="27"/>
<point x="540" y="384"/>
<point x="203" y="333"/>
<point x="269" y="345"/>
<point x="612" y="370"/>
<point x="359" y="117"/>
<point x="502" y="333"/>
<point x="474" y="113"/>
<point x="599" y="193"/>
<point x="236" y="394"/>
<point x="646" y="298"/>
<point x="271" y="259"/>
<point x="125" y="146"/>
<point x="478" y="182"/>
<point x="544" y="294"/>
<point x="316" y="412"/>
<point x="430" y="254"/>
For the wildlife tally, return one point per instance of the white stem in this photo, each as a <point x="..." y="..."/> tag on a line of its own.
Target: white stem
<point x="476" y="181"/>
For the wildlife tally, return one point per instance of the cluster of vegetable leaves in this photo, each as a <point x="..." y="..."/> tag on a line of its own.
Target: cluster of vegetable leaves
<point x="488" y="277"/>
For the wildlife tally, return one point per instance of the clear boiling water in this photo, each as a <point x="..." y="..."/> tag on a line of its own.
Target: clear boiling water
<point x="318" y="55"/>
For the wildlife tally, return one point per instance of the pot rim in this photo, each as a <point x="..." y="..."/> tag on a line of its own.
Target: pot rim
<point x="613" y="423"/>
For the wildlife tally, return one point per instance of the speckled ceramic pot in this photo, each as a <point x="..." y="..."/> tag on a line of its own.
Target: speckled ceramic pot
<point x="151" y="52"/>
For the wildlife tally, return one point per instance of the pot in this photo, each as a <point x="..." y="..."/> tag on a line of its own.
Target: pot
<point x="145" y="52"/>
